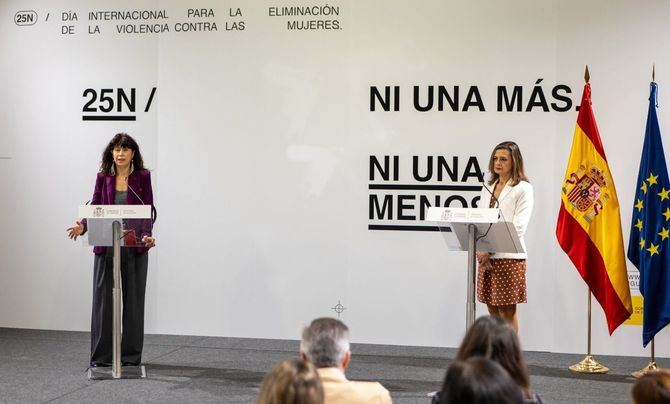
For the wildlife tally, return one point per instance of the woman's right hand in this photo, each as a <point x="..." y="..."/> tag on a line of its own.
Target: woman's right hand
<point x="75" y="231"/>
<point x="483" y="257"/>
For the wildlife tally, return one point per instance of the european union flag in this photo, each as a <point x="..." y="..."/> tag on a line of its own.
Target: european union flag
<point x="649" y="246"/>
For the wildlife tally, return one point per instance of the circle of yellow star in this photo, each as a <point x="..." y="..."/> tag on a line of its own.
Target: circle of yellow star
<point x="641" y="243"/>
<point x="664" y="194"/>
<point x="653" y="249"/>
<point x="639" y="224"/>
<point x="639" y="205"/>
<point x="667" y="214"/>
<point x="644" y="187"/>
<point x="664" y="233"/>
<point x="652" y="179"/>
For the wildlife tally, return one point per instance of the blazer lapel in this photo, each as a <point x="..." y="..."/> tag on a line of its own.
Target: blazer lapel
<point x="505" y="192"/>
<point x="110" y="183"/>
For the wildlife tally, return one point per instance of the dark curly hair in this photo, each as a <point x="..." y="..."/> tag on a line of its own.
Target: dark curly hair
<point x="121" y="140"/>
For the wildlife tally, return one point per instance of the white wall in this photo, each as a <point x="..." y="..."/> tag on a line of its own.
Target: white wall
<point x="259" y="141"/>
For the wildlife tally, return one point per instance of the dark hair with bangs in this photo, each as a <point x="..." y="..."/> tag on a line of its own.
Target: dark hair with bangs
<point x="122" y="140"/>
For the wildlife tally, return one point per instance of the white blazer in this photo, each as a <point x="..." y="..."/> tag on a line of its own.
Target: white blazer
<point x="516" y="205"/>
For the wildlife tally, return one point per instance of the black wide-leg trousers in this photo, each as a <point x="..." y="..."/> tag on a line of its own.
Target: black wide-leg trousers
<point x="133" y="287"/>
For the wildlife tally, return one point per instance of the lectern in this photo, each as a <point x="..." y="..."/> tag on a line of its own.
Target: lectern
<point x="472" y="229"/>
<point x="116" y="226"/>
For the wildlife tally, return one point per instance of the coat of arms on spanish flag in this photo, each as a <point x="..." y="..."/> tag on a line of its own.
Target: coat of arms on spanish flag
<point x="589" y="223"/>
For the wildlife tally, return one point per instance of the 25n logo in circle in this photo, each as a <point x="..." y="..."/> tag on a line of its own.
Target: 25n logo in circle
<point x="25" y="17"/>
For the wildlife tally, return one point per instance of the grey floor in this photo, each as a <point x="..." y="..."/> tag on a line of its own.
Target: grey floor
<point x="50" y="366"/>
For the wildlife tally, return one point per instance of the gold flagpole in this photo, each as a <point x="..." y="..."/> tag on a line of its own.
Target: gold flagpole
<point x="587" y="76"/>
<point x="650" y="367"/>
<point x="589" y="364"/>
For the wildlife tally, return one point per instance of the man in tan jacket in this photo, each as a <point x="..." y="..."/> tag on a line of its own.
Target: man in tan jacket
<point x="325" y="343"/>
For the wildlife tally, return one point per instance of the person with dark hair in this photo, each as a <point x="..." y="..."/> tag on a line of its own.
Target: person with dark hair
<point x="652" y="388"/>
<point x="292" y="381"/>
<point x="479" y="380"/>
<point x="501" y="279"/>
<point x="493" y="338"/>
<point x="325" y="343"/>
<point x="122" y="180"/>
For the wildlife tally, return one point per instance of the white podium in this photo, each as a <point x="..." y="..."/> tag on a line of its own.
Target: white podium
<point x="116" y="226"/>
<point x="472" y="229"/>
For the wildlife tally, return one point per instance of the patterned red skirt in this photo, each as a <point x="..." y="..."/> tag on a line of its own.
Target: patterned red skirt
<point x="502" y="282"/>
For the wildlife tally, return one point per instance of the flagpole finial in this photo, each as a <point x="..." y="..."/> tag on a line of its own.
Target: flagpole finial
<point x="653" y="72"/>
<point x="586" y="74"/>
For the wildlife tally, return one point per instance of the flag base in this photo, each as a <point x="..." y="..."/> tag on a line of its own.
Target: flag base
<point x="127" y="372"/>
<point x="651" y="367"/>
<point x="589" y="365"/>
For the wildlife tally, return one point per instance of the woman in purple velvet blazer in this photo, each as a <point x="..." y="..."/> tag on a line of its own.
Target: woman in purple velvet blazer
<point x="122" y="180"/>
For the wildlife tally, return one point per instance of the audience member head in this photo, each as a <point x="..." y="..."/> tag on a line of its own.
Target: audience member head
<point x="479" y="380"/>
<point x="493" y="338"/>
<point x="292" y="381"/>
<point x="325" y="343"/>
<point x="653" y="387"/>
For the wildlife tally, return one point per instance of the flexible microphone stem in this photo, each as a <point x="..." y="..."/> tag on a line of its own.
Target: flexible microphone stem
<point x="492" y="196"/>
<point x="133" y="191"/>
<point x="154" y="213"/>
<point x="497" y="206"/>
<point x="500" y="212"/>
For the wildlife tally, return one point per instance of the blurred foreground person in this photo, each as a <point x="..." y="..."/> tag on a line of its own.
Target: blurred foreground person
<point x="652" y="388"/>
<point x="292" y="381"/>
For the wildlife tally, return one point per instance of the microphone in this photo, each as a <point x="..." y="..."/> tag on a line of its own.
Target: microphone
<point x="133" y="191"/>
<point x="500" y="212"/>
<point x="497" y="203"/>
<point x="491" y="193"/>
<point x="154" y="214"/>
<point x="501" y="215"/>
<point x="494" y="198"/>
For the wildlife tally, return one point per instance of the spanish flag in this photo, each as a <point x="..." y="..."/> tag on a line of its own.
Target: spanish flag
<point x="589" y="224"/>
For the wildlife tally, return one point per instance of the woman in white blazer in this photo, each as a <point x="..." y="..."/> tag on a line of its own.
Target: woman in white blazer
<point x="501" y="279"/>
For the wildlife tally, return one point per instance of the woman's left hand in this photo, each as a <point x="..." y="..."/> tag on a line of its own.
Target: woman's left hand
<point x="149" y="241"/>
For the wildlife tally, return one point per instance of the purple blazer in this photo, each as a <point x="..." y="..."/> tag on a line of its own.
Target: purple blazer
<point x="105" y="189"/>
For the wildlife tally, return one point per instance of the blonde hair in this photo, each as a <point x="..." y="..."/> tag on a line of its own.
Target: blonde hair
<point x="653" y="387"/>
<point x="517" y="163"/>
<point x="291" y="381"/>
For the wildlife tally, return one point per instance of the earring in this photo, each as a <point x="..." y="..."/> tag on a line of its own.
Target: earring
<point x="112" y="171"/>
<point x="132" y="167"/>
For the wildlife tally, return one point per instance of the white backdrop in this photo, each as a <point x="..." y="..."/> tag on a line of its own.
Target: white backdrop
<point x="259" y="140"/>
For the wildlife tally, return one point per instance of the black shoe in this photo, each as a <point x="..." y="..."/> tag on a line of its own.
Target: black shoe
<point x="100" y="365"/>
